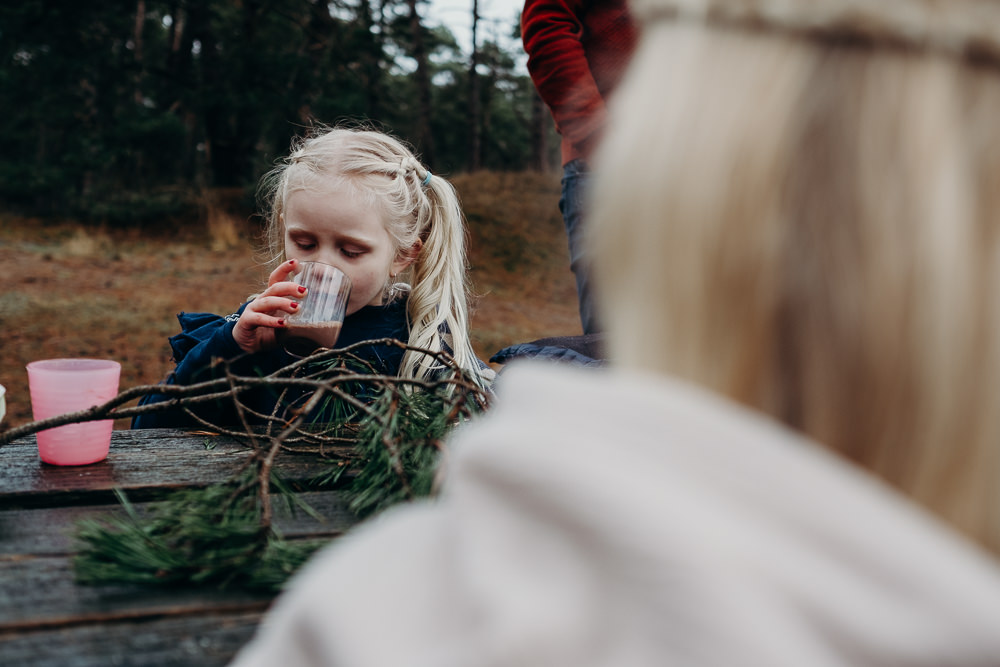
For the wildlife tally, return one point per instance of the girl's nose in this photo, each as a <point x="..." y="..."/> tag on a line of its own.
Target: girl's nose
<point x="329" y="258"/>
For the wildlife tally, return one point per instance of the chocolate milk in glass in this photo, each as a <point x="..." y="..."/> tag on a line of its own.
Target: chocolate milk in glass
<point x="302" y="339"/>
<point x="320" y="315"/>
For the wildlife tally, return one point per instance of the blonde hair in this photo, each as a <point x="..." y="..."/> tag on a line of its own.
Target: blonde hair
<point x="416" y="206"/>
<point x="806" y="221"/>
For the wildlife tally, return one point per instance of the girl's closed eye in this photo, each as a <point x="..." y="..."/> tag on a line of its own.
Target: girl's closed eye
<point x="352" y="253"/>
<point x="303" y="242"/>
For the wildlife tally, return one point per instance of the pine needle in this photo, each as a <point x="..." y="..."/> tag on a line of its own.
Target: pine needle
<point x="223" y="535"/>
<point x="202" y="536"/>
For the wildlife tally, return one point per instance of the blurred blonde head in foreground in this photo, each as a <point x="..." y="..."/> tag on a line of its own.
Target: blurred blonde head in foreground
<point x="816" y="187"/>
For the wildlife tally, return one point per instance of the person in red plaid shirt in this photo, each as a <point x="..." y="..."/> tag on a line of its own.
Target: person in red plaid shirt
<point x="577" y="51"/>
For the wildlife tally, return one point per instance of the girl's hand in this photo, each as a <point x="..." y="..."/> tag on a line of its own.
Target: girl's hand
<point x="255" y="330"/>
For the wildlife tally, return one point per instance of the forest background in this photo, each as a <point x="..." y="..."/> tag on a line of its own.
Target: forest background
<point x="134" y="135"/>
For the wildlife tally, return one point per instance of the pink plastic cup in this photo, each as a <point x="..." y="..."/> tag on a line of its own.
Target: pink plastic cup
<point x="59" y="386"/>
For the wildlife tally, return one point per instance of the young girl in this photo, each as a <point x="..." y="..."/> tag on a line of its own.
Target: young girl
<point x="358" y="200"/>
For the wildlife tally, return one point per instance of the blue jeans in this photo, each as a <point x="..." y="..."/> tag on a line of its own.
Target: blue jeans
<point x="575" y="185"/>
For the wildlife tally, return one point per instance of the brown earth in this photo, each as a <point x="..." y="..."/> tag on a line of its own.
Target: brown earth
<point x="76" y="291"/>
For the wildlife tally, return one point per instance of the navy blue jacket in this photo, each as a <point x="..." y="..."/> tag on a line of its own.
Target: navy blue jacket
<point x="206" y="337"/>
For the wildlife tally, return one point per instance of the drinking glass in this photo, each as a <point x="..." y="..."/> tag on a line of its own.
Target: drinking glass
<point x="320" y="316"/>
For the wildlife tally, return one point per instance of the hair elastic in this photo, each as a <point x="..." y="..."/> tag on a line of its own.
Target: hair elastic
<point x="427" y="179"/>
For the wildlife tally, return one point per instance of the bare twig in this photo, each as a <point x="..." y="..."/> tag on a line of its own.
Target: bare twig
<point x="395" y="429"/>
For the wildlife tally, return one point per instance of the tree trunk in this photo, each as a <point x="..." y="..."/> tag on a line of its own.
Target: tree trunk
<point x="371" y="55"/>
<point x="475" y="150"/>
<point x="304" y="81"/>
<point x="206" y="116"/>
<point x="425" y="140"/>
<point x="173" y="36"/>
<point x="137" y="47"/>
<point x="540" y="120"/>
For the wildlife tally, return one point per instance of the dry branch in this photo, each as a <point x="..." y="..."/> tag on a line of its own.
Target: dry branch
<point x="396" y="426"/>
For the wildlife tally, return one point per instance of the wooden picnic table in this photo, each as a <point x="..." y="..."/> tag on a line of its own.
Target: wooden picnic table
<point x="46" y="618"/>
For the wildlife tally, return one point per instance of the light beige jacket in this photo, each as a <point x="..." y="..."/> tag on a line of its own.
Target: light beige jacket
<point x="595" y="518"/>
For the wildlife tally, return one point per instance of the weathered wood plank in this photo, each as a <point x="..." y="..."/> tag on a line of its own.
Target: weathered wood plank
<point x="47" y="619"/>
<point x="49" y="531"/>
<point x="188" y="641"/>
<point x="145" y="463"/>
<point x="40" y="592"/>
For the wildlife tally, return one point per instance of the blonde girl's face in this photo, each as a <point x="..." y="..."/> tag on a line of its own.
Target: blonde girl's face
<point x="333" y="227"/>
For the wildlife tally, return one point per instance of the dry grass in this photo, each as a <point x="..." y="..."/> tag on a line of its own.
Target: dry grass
<point x="86" y="292"/>
<point x="519" y="258"/>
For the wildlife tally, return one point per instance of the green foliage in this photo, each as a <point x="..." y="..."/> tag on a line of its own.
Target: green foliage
<point x="128" y="208"/>
<point x="207" y="536"/>
<point x="401" y="450"/>
<point x="207" y="94"/>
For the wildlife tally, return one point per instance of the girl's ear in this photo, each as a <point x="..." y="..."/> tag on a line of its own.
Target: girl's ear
<point x="406" y="256"/>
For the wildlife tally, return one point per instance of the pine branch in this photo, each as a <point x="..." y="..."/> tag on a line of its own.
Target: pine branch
<point x="232" y="386"/>
<point x="208" y="536"/>
<point x="224" y="534"/>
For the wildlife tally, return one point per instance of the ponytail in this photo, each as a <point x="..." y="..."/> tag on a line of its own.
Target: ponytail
<point x="438" y="304"/>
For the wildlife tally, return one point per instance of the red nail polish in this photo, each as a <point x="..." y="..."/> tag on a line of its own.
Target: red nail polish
<point x="294" y="305"/>
<point x="302" y="290"/>
<point x="281" y="323"/>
